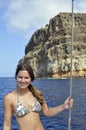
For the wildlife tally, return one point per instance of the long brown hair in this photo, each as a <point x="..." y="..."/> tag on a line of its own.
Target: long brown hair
<point x="34" y="90"/>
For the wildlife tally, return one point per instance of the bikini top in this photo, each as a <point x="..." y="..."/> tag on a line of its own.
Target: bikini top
<point x="21" y="110"/>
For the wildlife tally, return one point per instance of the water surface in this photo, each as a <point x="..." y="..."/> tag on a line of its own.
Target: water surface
<point x="55" y="92"/>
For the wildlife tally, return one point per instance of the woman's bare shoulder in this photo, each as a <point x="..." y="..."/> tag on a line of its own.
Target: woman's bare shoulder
<point x="9" y="96"/>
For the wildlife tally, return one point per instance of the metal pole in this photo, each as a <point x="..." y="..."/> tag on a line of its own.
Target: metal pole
<point x="71" y="58"/>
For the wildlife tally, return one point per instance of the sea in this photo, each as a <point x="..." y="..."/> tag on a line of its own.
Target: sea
<point x="55" y="92"/>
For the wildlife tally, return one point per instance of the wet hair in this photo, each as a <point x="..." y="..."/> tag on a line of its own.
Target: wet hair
<point x="34" y="90"/>
<point x="25" y="67"/>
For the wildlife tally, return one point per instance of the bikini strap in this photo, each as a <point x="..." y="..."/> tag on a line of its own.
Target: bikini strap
<point x="17" y="98"/>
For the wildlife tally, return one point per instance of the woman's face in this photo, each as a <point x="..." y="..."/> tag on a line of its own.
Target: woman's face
<point x="23" y="79"/>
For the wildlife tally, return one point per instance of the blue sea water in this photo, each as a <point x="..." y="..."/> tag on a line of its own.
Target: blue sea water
<point x="55" y="91"/>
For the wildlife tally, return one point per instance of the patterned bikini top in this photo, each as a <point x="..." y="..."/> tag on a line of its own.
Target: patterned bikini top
<point x="21" y="110"/>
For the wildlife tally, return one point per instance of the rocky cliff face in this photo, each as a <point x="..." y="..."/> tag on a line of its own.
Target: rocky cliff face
<point x="48" y="50"/>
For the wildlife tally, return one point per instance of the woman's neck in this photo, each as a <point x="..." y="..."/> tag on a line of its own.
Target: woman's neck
<point x="23" y="91"/>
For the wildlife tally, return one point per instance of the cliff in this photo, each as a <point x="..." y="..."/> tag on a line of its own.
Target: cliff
<point x="48" y="50"/>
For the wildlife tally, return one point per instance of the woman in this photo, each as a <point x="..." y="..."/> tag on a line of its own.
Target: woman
<point x="26" y="102"/>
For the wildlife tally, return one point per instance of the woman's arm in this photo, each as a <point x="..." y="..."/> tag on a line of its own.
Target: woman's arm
<point x="7" y="112"/>
<point x="55" y="110"/>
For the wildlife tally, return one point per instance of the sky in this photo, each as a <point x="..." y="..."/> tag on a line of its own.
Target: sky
<point x="19" y="19"/>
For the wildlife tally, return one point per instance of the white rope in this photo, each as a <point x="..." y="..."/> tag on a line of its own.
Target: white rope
<point x="71" y="58"/>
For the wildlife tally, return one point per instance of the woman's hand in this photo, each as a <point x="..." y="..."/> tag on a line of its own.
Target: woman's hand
<point x="68" y="103"/>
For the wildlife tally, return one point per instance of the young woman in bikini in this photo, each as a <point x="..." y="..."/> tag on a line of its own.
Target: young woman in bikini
<point x="26" y="102"/>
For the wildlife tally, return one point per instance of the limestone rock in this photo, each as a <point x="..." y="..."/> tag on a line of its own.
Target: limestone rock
<point x="48" y="50"/>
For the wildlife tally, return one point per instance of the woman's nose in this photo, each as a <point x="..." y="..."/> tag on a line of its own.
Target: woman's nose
<point x="23" y="79"/>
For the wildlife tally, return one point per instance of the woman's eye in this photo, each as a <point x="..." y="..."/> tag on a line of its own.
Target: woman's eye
<point x="27" y="77"/>
<point x="23" y="77"/>
<point x="20" y="77"/>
